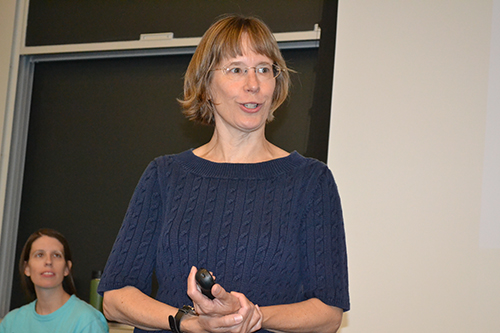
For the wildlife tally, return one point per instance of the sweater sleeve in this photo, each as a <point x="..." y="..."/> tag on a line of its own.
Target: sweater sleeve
<point x="325" y="245"/>
<point x="132" y="259"/>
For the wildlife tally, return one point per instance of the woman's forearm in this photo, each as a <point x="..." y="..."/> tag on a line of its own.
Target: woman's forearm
<point x="309" y="316"/>
<point x="130" y="306"/>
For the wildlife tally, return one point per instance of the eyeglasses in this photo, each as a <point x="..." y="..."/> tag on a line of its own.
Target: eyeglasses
<point x="263" y="72"/>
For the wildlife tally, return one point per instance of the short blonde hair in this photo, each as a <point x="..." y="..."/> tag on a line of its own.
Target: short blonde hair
<point x="221" y="41"/>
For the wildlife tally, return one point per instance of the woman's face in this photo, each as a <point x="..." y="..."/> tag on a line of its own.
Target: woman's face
<point x="47" y="265"/>
<point x="242" y="105"/>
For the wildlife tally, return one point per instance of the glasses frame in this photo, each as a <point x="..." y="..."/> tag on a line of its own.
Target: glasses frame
<point x="276" y="71"/>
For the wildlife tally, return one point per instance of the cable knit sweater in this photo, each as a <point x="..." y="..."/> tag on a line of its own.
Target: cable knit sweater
<point x="272" y="230"/>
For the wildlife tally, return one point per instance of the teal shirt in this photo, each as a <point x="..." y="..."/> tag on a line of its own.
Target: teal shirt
<point x="74" y="316"/>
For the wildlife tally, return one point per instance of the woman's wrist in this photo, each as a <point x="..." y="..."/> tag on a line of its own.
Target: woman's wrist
<point x="189" y="324"/>
<point x="180" y="316"/>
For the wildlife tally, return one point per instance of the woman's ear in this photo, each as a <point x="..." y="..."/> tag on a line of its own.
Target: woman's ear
<point x="69" y="264"/>
<point x="26" y="269"/>
<point x="209" y="94"/>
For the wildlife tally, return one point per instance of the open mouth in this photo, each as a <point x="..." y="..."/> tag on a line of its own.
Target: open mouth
<point x="251" y="105"/>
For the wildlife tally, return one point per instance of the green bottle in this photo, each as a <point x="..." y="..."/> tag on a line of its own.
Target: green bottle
<point x="95" y="298"/>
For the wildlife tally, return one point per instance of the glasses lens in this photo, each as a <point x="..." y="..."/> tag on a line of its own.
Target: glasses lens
<point x="264" y="72"/>
<point x="234" y="73"/>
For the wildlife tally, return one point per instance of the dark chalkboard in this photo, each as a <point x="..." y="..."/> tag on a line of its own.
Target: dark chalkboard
<point x="96" y="124"/>
<point x="74" y="21"/>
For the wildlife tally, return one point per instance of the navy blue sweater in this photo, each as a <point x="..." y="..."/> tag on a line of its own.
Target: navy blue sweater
<point x="272" y="231"/>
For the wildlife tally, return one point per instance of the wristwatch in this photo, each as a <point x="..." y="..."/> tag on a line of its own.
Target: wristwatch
<point x="175" y="323"/>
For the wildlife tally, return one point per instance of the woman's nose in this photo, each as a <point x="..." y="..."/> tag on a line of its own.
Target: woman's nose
<point x="252" y="83"/>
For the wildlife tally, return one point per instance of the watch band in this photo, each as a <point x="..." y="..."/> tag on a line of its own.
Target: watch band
<point x="175" y="323"/>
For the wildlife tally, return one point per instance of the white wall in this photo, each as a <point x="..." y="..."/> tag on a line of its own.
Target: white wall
<point x="407" y="145"/>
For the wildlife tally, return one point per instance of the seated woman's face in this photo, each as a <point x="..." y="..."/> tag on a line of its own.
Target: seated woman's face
<point x="46" y="265"/>
<point x="243" y="102"/>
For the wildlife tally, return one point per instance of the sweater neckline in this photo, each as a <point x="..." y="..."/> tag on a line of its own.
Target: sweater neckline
<point x="261" y="170"/>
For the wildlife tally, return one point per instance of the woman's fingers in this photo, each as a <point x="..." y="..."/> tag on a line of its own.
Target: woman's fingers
<point x="228" y="323"/>
<point x="252" y="316"/>
<point x="224" y="303"/>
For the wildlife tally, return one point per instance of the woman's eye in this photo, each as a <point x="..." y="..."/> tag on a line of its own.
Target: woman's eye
<point x="264" y="70"/>
<point x="235" y="70"/>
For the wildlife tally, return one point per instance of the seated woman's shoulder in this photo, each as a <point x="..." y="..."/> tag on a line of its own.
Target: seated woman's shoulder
<point x="87" y="313"/>
<point x="14" y="316"/>
<point x="84" y="307"/>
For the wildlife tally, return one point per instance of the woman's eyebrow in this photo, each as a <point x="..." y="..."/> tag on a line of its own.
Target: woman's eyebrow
<point x="241" y="63"/>
<point x="237" y="63"/>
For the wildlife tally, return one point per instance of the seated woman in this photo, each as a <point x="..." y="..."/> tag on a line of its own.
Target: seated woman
<point x="46" y="265"/>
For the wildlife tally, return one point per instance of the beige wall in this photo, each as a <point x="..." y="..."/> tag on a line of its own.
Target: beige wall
<point x="407" y="143"/>
<point x="8" y="73"/>
<point x="7" y="15"/>
<point x="7" y="18"/>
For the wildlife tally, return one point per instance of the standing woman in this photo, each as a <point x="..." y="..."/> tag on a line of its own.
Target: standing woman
<point x="267" y="222"/>
<point x="45" y="264"/>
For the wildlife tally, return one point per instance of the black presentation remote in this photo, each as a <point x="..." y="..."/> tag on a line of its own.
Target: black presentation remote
<point x="205" y="281"/>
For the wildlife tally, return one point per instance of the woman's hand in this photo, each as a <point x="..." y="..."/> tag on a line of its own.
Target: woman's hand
<point x="249" y="311"/>
<point x="247" y="319"/>
<point x="223" y="304"/>
<point x="227" y="312"/>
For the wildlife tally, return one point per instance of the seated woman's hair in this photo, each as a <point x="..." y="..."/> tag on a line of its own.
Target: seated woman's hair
<point x="221" y="41"/>
<point x="29" y="288"/>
